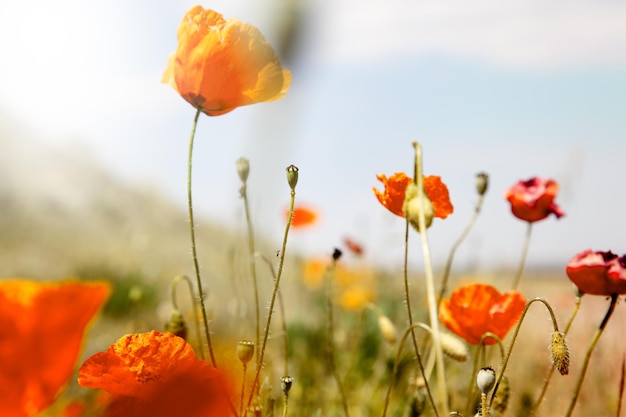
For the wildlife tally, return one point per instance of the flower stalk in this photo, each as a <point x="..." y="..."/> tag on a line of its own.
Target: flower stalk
<point x="192" y="232"/>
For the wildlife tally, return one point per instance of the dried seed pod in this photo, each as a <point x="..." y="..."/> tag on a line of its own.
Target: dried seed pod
<point x="245" y="350"/>
<point x="285" y="384"/>
<point x="486" y="379"/>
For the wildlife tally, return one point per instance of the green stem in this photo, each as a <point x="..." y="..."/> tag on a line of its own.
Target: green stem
<point x="514" y="339"/>
<point x="331" y="335"/>
<point x="194" y="305"/>
<point x="592" y="345"/>
<point x="522" y="261"/>
<point x="274" y="295"/>
<point x="430" y="288"/>
<point x="546" y="383"/>
<point x="407" y="297"/>
<point x="252" y="263"/>
<point x="192" y="227"/>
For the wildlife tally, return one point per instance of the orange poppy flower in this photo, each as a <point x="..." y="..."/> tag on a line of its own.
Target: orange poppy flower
<point x="302" y="216"/>
<point x="353" y="246"/>
<point x="476" y="309"/>
<point x="533" y="200"/>
<point x="224" y="64"/>
<point x="156" y="374"/>
<point x="41" y="333"/>
<point x="395" y="190"/>
<point x="598" y="273"/>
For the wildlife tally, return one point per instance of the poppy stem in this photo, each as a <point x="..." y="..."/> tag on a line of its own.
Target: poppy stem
<point x="194" y="305"/>
<point x="479" y="357"/>
<point x="522" y="261"/>
<point x="544" y="389"/>
<point x="192" y="232"/>
<point x="430" y="287"/>
<point x="396" y="365"/>
<point x="592" y="345"/>
<point x="281" y="264"/>
<point x="455" y="246"/>
<point x="407" y="297"/>
<point x="252" y="263"/>
<point x="331" y="335"/>
<point x="514" y="339"/>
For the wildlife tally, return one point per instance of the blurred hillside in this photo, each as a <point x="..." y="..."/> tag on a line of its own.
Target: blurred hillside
<point x="61" y="214"/>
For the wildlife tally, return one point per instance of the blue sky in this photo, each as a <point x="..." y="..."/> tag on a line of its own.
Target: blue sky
<point x="517" y="90"/>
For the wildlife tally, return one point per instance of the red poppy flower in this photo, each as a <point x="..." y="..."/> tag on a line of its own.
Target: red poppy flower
<point x="224" y="64"/>
<point x="156" y="374"/>
<point x="395" y="190"/>
<point x="476" y="309"/>
<point x="41" y="332"/>
<point x="598" y="273"/>
<point x="353" y="246"/>
<point x="533" y="200"/>
<point x="302" y="216"/>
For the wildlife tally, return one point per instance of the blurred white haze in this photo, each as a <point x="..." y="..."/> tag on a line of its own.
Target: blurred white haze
<point x="516" y="89"/>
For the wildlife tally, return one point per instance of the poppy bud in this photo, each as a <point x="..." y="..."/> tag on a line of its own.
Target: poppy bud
<point x="292" y="176"/>
<point x="486" y="379"/>
<point x="337" y="254"/>
<point x="176" y="325"/>
<point x="387" y="329"/>
<point x="245" y="351"/>
<point x="482" y="183"/>
<point x="454" y="347"/>
<point x="285" y="384"/>
<point x="413" y="205"/>
<point x="243" y="169"/>
<point x="559" y="353"/>
<point x="501" y="401"/>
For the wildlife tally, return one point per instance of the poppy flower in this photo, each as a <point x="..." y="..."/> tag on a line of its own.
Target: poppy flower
<point x="224" y="64"/>
<point x="41" y="333"/>
<point x="302" y="216"/>
<point x="353" y="246"/>
<point x="156" y="374"/>
<point x="395" y="192"/>
<point x="598" y="273"/>
<point x="533" y="200"/>
<point x="476" y="309"/>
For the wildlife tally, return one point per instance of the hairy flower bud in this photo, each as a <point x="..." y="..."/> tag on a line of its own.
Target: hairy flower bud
<point x="243" y="169"/>
<point x="482" y="183"/>
<point x="559" y="353"/>
<point x="414" y="204"/>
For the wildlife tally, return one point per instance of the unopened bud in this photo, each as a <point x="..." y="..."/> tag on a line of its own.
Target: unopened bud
<point x="245" y="351"/>
<point x="292" y="176"/>
<point x="176" y="325"/>
<point x="559" y="353"/>
<point x="486" y="379"/>
<point x="337" y="254"/>
<point x="482" y="183"/>
<point x="285" y="384"/>
<point x="243" y="169"/>
<point x="413" y="205"/>
<point x="387" y="329"/>
<point x="454" y="347"/>
<point x="501" y="401"/>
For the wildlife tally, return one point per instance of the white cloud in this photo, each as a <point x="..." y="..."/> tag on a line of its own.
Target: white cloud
<point x="516" y="34"/>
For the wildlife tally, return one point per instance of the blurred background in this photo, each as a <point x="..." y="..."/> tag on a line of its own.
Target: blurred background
<point x="93" y="146"/>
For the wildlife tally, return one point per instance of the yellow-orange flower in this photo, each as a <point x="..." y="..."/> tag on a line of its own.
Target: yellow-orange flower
<point x="156" y="374"/>
<point x="395" y="191"/>
<point x="224" y="64"/>
<point x="41" y="332"/>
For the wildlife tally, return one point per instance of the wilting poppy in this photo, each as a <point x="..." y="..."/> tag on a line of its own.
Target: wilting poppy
<point x="302" y="216"/>
<point x="598" y="273"/>
<point x="395" y="192"/>
<point x="533" y="200"/>
<point x="224" y="64"/>
<point x="156" y="374"/>
<point x="476" y="309"/>
<point x="41" y="333"/>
